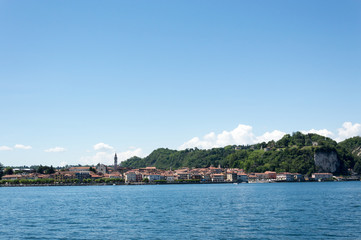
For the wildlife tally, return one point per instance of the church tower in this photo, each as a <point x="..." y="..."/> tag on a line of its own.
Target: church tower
<point x="115" y="162"/>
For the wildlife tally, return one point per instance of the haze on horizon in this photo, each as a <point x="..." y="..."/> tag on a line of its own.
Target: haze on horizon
<point x="80" y="80"/>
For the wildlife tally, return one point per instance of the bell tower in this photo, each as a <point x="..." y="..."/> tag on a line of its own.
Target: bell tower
<point x="115" y="162"/>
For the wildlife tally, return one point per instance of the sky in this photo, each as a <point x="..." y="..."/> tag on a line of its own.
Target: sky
<point x="81" y="80"/>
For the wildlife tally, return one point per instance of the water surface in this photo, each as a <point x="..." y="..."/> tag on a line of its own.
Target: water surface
<point x="329" y="210"/>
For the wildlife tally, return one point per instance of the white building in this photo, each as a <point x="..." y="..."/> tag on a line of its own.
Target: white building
<point x="130" y="176"/>
<point x="322" y="176"/>
<point x="285" y="177"/>
<point x="153" y="177"/>
<point x="169" y="177"/>
<point x="217" y="177"/>
<point x="231" y="177"/>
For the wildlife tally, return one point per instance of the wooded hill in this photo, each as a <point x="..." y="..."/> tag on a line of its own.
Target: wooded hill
<point x="292" y="153"/>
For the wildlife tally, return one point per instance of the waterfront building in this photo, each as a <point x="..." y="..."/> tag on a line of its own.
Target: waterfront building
<point x="130" y="176"/>
<point x="168" y="176"/>
<point x="82" y="175"/>
<point x="44" y="176"/>
<point x="95" y="176"/>
<point x="114" y="175"/>
<point x="31" y="176"/>
<point x="298" y="177"/>
<point x="261" y="176"/>
<point x="232" y="176"/>
<point x="64" y="176"/>
<point x="322" y="176"/>
<point x="138" y="176"/>
<point x="242" y="177"/>
<point x="252" y="178"/>
<point x="217" y="177"/>
<point x="152" y="177"/>
<point x="285" y="177"/>
<point x="12" y="177"/>
<point x="183" y="174"/>
<point x="196" y="176"/>
<point x="270" y="174"/>
<point x="206" y="177"/>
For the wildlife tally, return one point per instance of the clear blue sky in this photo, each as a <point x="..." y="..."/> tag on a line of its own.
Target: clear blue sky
<point x="138" y="75"/>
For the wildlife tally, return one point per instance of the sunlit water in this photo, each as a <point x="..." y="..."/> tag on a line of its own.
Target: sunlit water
<point x="207" y="211"/>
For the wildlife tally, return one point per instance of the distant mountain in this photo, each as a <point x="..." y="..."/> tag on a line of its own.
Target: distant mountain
<point x="302" y="153"/>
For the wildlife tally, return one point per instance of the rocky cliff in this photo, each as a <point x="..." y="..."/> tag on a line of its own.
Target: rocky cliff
<point x="327" y="162"/>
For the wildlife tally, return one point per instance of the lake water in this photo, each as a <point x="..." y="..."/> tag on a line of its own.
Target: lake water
<point x="330" y="210"/>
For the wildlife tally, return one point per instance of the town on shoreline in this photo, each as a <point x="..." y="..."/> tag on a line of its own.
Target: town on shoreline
<point x="103" y="175"/>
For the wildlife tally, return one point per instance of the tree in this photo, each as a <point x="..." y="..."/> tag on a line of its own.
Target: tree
<point x="8" y="171"/>
<point x="284" y="141"/>
<point x="45" y="170"/>
<point x="50" y="170"/>
<point x="1" y="170"/>
<point x="40" y="169"/>
<point x="92" y="169"/>
<point x="357" y="167"/>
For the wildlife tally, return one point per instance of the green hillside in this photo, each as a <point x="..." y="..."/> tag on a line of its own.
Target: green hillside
<point x="292" y="153"/>
<point x="351" y="150"/>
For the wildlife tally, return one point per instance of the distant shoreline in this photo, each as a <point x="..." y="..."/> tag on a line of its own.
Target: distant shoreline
<point x="105" y="184"/>
<point x="143" y="184"/>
